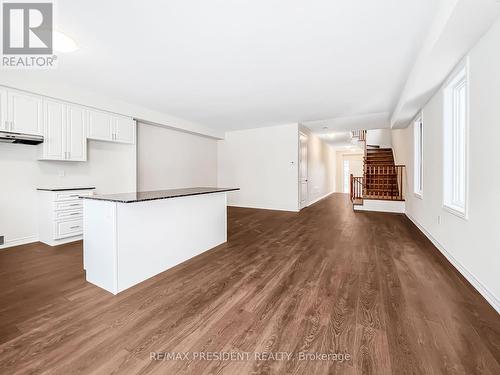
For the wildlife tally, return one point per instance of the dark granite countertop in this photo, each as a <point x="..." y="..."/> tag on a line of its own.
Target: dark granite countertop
<point x="142" y="196"/>
<point x="66" y="188"/>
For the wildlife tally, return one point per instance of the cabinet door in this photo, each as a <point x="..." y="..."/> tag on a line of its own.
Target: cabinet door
<point x="100" y="125"/>
<point x="25" y="112"/>
<point x="4" y="125"/>
<point x="124" y="130"/>
<point x="54" y="142"/>
<point x="76" y="133"/>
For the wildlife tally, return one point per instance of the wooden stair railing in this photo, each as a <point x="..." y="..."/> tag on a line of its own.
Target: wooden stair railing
<point x="384" y="181"/>
<point x="356" y="189"/>
<point x="360" y="134"/>
<point x="382" y="178"/>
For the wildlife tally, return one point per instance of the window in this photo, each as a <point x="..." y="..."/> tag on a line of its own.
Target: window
<point x="456" y="118"/>
<point x="418" y="157"/>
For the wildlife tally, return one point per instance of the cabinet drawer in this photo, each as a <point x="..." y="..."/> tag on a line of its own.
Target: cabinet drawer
<point x="58" y="215"/>
<point x="70" y="195"/>
<point x="68" y="228"/>
<point x="69" y="205"/>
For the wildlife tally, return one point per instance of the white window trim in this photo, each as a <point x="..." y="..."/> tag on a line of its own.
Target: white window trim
<point x="462" y="68"/>
<point x="419" y="194"/>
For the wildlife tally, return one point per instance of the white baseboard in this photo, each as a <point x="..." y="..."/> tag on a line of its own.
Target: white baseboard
<point x="61" y="241"/>
<point x="320" y="198"/>
<point x="19" y="241"/>
<point x="264" y="208"/>
<point x="379" y="205"/>
<point x="473" y="280"/>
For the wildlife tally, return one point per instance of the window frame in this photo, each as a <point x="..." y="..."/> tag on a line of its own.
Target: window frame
<point x="456" y="142"/>
<point x="418" y="156"/>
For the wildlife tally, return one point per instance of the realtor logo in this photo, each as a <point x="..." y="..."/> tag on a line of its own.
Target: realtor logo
<point x="27" y="35"/>
<point x="27" y="28"/>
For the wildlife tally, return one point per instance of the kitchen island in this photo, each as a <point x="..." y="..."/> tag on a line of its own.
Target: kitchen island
<point x="128" y="238"/>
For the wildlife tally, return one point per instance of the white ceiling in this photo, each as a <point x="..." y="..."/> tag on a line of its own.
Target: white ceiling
<point x="340" y="140"/>
<point x="243" y="63"/>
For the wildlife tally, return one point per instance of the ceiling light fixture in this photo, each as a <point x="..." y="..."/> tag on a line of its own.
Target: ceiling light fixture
<point x="63" y="43"/>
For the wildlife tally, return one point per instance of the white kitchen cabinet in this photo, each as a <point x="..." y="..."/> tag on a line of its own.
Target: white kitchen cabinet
<point x="124" y="129"/>
<point x="76" y="134"/>
<point x="100" y="125"/>
<point x="104" y="126"/>
<point x="4" y="125"/>
<point x="53" y="146"/>
<point x="64" y="131"/>
<point x="60" y="214"/>
<point x="24" y="113"/>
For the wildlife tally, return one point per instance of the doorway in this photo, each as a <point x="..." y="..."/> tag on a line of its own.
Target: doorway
<point x="346" y="186"/>
<point x="303" y="179"/>
<point x="351" y="163"/>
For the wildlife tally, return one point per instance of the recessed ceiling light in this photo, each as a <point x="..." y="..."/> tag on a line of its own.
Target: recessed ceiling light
<point x="63" y="43"/>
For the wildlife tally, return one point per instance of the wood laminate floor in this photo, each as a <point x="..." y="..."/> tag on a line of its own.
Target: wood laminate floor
<point x="325" y="280"/>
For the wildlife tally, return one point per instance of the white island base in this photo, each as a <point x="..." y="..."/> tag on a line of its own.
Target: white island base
<point x="127" y="243"/>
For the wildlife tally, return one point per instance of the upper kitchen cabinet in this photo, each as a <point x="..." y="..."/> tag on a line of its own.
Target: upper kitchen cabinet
<point x="104" y="126"/>
<point x="124" y="129"/>
<point x="76" y="134"/>
<point x="100" y="125"/>
<point x="24" y="113"/>
<point x="4" y="124"/>
<point x="64" y="131"/>
<point x="53" y="146"/>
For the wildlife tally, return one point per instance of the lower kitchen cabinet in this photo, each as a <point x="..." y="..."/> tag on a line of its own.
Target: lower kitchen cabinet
<point x="60" y="214"/>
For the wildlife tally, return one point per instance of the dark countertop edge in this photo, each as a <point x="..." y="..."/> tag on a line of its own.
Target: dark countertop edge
<point x="65" y="189"/>
<point x="97" y="198"/>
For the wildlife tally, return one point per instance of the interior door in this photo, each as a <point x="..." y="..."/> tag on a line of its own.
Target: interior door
<point x="303" y="180"/>
<point x="77" y="137"/>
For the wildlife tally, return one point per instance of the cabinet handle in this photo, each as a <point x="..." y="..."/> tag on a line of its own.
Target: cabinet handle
<point x="74" y="204"/>
<point x="75" y="213"/>
<point x="74" y="227"/>
<point x="73" y="196"/>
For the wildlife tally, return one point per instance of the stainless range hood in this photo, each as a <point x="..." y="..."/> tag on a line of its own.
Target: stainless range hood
<point x="27" y="139"/>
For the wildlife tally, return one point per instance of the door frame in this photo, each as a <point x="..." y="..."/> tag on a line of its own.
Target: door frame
<point x="302" y="134"/>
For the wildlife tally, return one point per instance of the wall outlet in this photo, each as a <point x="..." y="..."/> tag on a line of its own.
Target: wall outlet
<point x="2" y="240"/>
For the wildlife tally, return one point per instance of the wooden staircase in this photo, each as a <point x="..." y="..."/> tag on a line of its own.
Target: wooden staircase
<point x="381" y="175"/>
<point x="382" y="178"/>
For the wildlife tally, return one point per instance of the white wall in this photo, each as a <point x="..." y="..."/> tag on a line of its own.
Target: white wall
<point x="168" y="159"/>
<point x="263" y="164"/>
<point x="473" y="245"/>
<point x="321" y="167"/>
<point x="110" y="168"/>
<point x="379" y="137"/>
